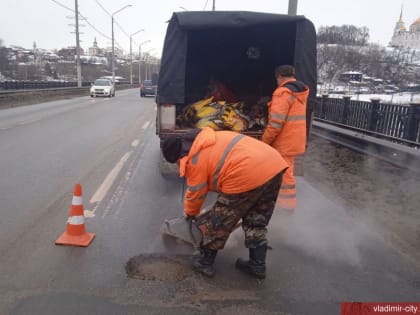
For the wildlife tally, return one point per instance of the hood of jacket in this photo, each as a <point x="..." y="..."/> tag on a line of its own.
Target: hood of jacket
<point x="295" y="87"/>
<point x="205" y="138"/>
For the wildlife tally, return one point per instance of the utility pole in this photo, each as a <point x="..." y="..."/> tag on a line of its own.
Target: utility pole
<point x="214" y="5"/>
<point x="139" y="64"/>
<point x="147" y="64"/>
<point x="131" y="61"/>
<point x="112" y="30"/>
<point x="112" y="54"/>
<point x="145" y="42"/>
<point x="78" y="65"/>
<point x="292" y="7"/>
<point x="131" y="55"/>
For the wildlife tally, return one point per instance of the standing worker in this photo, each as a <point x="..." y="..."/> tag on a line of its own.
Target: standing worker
<point x="235" y="166"/>
<point x="286" y="128"/>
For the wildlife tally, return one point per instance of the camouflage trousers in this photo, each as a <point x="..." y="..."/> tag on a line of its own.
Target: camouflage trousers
<point x="254" y="207"/>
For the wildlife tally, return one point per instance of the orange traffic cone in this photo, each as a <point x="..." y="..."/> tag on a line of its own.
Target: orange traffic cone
<point x="75" y="233"/>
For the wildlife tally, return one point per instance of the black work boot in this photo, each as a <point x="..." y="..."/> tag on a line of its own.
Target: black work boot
<point x="255" y="266"/>
<point x="204" y="263"/>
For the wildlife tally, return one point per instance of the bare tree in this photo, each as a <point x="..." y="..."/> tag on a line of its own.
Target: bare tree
<point x="4" y="61"/>
<point x="344" y="35"/>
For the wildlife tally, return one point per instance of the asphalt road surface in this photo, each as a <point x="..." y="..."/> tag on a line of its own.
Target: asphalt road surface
<point x="321" y="256"/>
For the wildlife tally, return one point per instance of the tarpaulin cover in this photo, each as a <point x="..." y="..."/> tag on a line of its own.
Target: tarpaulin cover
<point x="240" y="49"/>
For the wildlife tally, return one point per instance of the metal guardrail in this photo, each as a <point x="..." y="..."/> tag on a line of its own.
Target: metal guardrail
<point x="13" y="98"/>
<point x="36" y="84"/>
<point x="399" y="123"/>
<point x="25" y="97"/>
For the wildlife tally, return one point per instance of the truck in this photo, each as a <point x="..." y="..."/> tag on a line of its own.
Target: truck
<point x="241" y="49"/>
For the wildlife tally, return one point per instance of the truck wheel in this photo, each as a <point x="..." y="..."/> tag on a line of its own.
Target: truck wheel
<point x="168" y="170"/>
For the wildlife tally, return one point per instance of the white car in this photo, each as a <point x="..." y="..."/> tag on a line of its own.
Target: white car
<point x="102" y="87"/>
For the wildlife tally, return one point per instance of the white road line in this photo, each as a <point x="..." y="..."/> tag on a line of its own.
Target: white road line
<point x="107" y="183"/>
<point x="29" y="121"/>
<point x="135" y="143"/>
<point x="145" y="125"/>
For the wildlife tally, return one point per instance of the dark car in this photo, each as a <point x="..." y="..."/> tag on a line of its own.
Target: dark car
<point x="147" y="88"/>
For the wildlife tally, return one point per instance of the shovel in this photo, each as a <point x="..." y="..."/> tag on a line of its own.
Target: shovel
<point x="192" y="231"/>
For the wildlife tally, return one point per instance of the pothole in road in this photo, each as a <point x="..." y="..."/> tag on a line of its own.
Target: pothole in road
<point x="155" y="267"/>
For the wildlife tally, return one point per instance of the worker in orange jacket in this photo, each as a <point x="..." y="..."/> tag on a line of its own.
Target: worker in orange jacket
<point x="235" y="166"/>
<point x="286" y="129"/>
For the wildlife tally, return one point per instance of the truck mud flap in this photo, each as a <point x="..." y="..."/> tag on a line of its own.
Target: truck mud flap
<point x="168" y="170"/>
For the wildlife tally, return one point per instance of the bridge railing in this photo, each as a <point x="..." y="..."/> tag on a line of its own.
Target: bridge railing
<point x="12" y="98"/>
<point x="398" y="123"/>
<point x="37" y="85"/>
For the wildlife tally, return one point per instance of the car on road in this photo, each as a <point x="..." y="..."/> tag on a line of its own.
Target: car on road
<point x="147" y="88"/>
<point x="102" y="87"/>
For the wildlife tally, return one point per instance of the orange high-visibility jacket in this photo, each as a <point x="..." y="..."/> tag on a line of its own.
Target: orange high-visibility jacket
<point x="286" y="129"/>
<point x="226" y="162"/>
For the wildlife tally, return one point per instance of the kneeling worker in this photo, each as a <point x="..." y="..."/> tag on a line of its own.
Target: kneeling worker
<point x="245" y="173"/>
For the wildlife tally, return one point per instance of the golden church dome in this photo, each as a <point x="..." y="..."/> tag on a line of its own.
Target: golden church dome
<point x="415" y="27"/>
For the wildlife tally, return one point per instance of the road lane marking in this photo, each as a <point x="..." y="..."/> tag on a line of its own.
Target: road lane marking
<point x="89" y="213"/>
<point x="29" y="121"/>
<point x="116" y="204"/>
<point x="135" y="143"/>
<point x="21" y="123"/>
<point x="109" y="180"/>
<point x="145" y="125"/>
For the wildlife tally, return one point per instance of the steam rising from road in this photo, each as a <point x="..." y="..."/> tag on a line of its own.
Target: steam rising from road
<point x="321" y="230"/>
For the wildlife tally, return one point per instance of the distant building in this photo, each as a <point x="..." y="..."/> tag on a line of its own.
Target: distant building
<point x="351" y="76"/>
<point x="406" y="39"/>
<point x="95" y="50"/>
<point x="69" y="53"/>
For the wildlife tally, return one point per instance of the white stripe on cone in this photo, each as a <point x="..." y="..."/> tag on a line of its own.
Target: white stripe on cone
<point x="77" y="201"/>
<point x="76" y="220"/>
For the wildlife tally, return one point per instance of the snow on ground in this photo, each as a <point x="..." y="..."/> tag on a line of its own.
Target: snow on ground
<point x="396" y="98"/>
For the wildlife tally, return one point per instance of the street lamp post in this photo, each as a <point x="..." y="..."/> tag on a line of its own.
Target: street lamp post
<point x="292" y="7"/>
<point x="131" y="55"/>
<point x="147" y="68"/>
<point x="78" y="64"/>
<point x="112" y="27"/>
<point x="145" y="42"/>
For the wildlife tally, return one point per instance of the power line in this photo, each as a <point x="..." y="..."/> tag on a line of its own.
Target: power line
<point x="121" y="29"/>
<point x="205" y="6"/>
<point x="102" y="7"/>
<point x="91" y="25"/>
<point x="109" y="14"/>
<point x="62" y="5"/>
<point x="83" y="17"/>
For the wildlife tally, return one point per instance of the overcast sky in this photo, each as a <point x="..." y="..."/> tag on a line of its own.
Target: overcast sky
<point x="48" y="22"/>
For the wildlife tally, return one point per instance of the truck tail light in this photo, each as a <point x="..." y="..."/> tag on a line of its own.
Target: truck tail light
<point x="167" y="117"/>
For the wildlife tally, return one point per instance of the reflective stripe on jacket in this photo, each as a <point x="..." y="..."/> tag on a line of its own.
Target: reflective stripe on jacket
<point x="226" y="162"/>
<point x="286" y="129"/>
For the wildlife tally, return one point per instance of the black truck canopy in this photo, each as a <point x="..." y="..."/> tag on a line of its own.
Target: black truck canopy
<point x="240" y="49"/>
